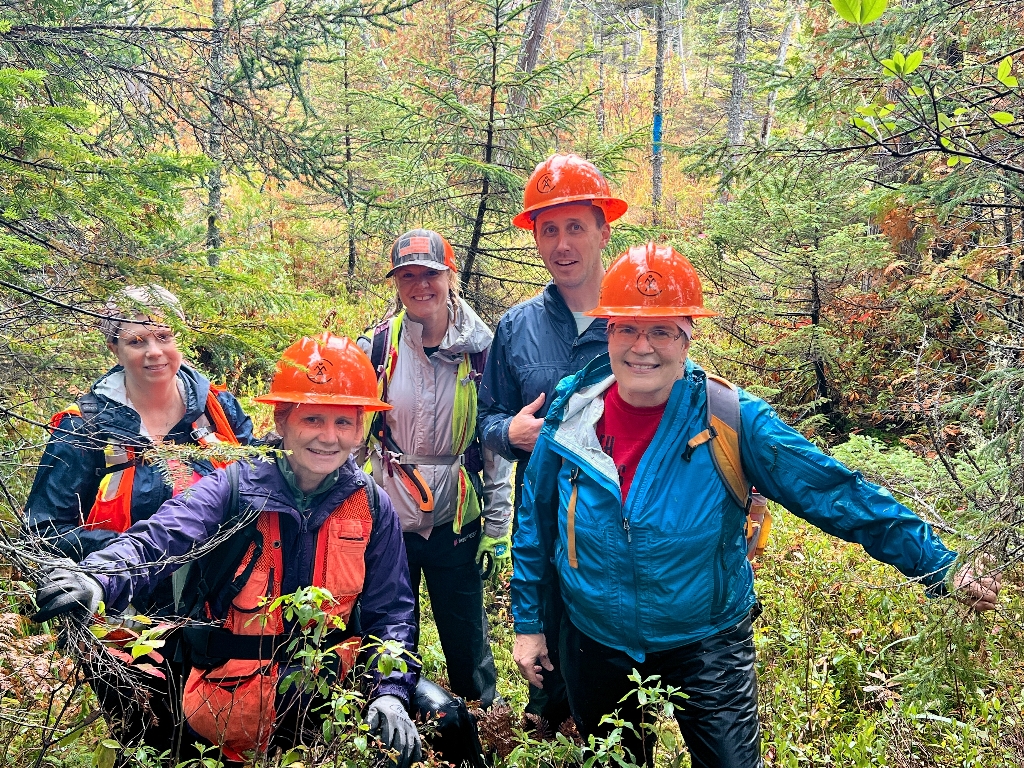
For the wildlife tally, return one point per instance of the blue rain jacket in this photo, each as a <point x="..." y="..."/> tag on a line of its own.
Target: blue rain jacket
<point x="535" y="345"/>
<point x="68" y="477"/>
<point x="669" y="566"/>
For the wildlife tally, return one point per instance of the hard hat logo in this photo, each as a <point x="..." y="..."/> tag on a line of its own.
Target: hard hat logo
<point x="649" y="283"/>
<point x="319" y="372"/>
<point x="545" y="184"/>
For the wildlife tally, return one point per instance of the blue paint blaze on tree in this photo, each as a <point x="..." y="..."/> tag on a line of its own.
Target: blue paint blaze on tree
<point x="657" y="134"/>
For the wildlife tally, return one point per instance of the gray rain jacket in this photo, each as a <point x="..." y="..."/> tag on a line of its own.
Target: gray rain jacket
<point x="422" y="392"/>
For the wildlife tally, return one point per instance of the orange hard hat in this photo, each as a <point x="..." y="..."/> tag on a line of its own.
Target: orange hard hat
<point x="328" y="370"/>
<point x="651" y="280"/>
<point x="565" y="179"/>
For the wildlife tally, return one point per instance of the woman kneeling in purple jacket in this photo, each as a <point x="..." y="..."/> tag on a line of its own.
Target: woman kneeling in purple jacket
<point x="310" y="518"/>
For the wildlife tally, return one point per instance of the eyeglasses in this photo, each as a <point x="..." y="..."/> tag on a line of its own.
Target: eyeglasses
<point x="627" y="335"/>
<point x="164" y="338"/>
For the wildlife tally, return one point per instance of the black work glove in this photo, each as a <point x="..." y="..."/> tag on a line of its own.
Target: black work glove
<point x="65" y="589"/>
<point x="388" y="719"/>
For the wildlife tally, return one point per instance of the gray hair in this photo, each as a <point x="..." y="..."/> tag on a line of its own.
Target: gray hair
<point x="151" y="300"/>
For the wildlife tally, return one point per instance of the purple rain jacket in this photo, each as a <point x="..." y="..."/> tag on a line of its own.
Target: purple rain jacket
<point x="385" y="604"/>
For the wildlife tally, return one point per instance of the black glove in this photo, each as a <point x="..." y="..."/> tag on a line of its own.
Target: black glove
<point x="388" y="718"/>
<point x="67" y="589"/>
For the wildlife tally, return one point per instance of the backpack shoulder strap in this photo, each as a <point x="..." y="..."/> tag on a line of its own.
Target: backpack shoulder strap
<point x="478" y="361"/>
<point x="379" y="345"/>
<point x="221" y="422"/>
<point x="722" y="430"/>
<point x="196" y="580"/>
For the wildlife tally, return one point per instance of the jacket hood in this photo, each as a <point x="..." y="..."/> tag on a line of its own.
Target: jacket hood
<point x="116" y="411"/>
<point x="467" y="333"/>
<point x="575" y="393"/>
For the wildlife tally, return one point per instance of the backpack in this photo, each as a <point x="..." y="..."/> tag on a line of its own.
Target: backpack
<point x="722" y="430"/>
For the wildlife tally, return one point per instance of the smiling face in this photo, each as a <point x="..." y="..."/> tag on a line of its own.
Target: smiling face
<point x="424" y="292"/>
<point x="148" y="352"/>
<point x="570" y="240"/>
<point x="645" y="372"/>
<point x="320" y="438"/>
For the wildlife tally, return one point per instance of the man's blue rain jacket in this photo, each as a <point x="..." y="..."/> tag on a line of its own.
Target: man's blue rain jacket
<point x="669" y="566"/>
<point x="535" y="345"/>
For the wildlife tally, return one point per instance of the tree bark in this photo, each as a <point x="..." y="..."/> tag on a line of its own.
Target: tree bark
<point x="682" y="6"/>
<point x="350" y="201"/>
<point x="532" y="38"/>
<point x="599" y="44"/>
<point x="659" y="95"/>
<point x="215" y="181"/>
<point x="780" y="62"/>
<point x="735" y="107"/>
<point x="485" y="187"/>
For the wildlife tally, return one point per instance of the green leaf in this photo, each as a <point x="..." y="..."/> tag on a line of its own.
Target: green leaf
<point x="871" y="10"/>
<point x="1003" y="118"/>
<point x="1005" y="67"/>
<point x="952" y="161"/>
<point x="105" y="754"/>
<point x="960" y="111"/>
<point x="890" y="67"/>
<point x="859" y="12"/>
<point x="916" y="91"/>
<point x="913" y="62"/>
<point x="900" y="61"/>
<point x="848" y="10"/>
<point x="863" y="124"/>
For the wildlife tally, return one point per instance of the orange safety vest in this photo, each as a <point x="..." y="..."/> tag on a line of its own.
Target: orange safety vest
<point x="234" y="705"/>
<point x="112" y="509"/>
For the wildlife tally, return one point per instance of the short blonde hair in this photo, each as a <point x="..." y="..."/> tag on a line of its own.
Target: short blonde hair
<point x="153" y="300"/>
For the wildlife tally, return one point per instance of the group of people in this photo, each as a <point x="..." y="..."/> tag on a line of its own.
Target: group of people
<point x="632" y="486"/>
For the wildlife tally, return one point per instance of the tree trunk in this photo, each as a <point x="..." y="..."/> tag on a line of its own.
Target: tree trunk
<point x="682" y="6"/>
<point x="215" y="181"/>
<point x="485" y="187"/>
<point x="821" y="381"/>
<point x="735" y="107"/>
<point x="659" y="94"/>
<point x="350" y="201"/>
<point x="532" y="38"/>
<point x="599" y="44"/>
<point x="780" y="61"/>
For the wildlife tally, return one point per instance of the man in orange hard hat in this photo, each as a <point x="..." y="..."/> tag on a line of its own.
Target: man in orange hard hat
<point x="635" y="502"/>
<point x="568" y="206"/>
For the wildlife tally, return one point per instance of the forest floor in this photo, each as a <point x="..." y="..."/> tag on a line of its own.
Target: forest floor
<point x="856" y="668"/>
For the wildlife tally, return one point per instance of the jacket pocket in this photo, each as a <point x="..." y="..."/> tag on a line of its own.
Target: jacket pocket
<point x="233" y="705"/>
<point x="343" y="567"/>
<point x="679" y="581"/>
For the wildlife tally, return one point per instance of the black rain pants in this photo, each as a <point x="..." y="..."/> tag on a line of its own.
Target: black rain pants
<point x="718" y="720"/>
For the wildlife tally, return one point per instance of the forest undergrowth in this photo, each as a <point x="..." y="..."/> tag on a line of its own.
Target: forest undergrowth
<point x="856" y="668"/>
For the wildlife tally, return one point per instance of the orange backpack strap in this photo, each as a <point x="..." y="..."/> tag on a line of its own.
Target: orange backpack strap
<point x="57" y="418"/>
<point x="222" y="429"/>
